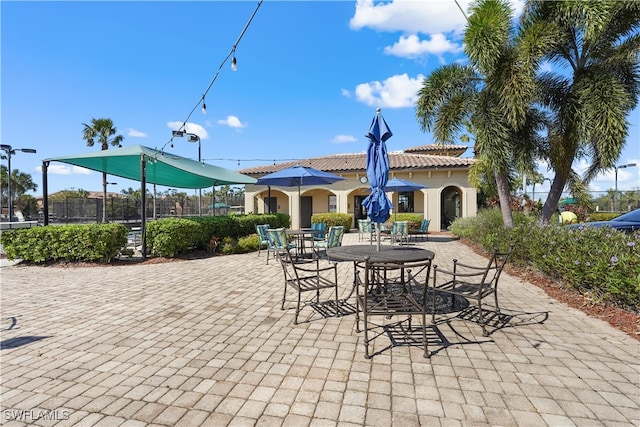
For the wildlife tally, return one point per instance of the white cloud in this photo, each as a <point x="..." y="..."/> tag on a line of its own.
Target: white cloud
<point x="410" y="16"/>
<point x="628" y="178"/>
<point x="444" y="21"/>
<point x="57" y="169"/>
<point x="342" y="139"/>
<point x="397" y="91"/>
<point x="345" y="93"/>
<point x="189" y="128"/>
<point x="136" y="133"/>
<point x="412" y="47"/>
<point x="232" y="122"/>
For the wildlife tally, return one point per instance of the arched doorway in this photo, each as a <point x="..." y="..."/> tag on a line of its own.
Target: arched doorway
<point x="450" y="205"/>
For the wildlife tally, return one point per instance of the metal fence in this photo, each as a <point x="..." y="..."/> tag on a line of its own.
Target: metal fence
<point x="122" y="209"/>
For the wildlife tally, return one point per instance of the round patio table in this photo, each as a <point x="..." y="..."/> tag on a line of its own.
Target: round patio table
<point x="397" y="254"/>
<point x="300" y="237"/>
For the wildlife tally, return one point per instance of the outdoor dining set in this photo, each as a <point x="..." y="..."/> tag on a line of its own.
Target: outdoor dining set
<point x="392" y="284"/>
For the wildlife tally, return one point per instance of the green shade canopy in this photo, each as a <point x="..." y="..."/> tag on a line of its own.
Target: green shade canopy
<point x="162" y="168"/>
<point x="219" y="205"/>
<point x="567" y="201"/>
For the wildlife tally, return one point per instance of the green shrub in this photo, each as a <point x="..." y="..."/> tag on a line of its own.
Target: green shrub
<point x="602" y="216"/>
<point x="333" y="218"/>
<point x="415" y="220"/>
<point x="171" y="236"/>
<point x="78" y="243"/>
<point x="603" y="264"/>
<point x="248" y="244"/>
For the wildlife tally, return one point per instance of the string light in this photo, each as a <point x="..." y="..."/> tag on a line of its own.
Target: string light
<point x="231" y="54"/>
<point x="234" y="62"/>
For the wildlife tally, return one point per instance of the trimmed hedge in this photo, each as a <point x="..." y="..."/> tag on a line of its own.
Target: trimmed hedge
<point x="92" y="242"/>
<point x="105" y="242"/>
<point x="333" y="218"/>
<point x="172" y="236"/>
<point x="415" y="220"/>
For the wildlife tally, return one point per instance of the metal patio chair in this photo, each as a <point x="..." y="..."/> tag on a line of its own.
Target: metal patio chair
<point x="333" y="239"/>
<point x="321" y="226"/>
<point x="365" y="229"/>
<point x="474" y="282"/>
<point x="400" y="232"/>
<point x="263" y="238"/>
<point x="387" y="290"/>
<point x="306" y="276"/>
<point x="423" y="231"/>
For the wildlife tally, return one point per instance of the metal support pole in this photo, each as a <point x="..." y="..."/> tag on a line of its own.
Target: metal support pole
<point x="9" y="185"/>
<point x="143" y="219"/>
<point x="45" y="192"/>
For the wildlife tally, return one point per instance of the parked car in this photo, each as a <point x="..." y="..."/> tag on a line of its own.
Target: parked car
<point x="628" y="222"/>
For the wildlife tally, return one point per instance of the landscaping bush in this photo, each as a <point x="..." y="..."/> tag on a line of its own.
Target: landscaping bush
<point x="601" y="263"/>
<point x="77" y="243"/>
<point x="171" y="236"/>
<point x="236" y="226"/>
<point x="602" y="216"/>
<point x="333" y="218"/>
<point x="415" y="220"/>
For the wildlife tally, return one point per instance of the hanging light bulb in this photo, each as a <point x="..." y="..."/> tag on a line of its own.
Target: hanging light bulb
<point x="234" y="63"/>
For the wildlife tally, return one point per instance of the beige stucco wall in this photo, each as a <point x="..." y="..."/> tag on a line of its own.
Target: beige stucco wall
<point x="427" y="202"/>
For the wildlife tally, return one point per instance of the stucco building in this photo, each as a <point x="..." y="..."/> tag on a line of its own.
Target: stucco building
<point x="448" y="194"/>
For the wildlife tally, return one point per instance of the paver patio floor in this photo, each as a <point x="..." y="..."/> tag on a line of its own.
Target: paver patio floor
<point x="204" y="342"/>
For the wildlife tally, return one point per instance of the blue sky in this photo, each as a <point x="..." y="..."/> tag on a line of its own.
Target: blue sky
<point x="309" y="79"/>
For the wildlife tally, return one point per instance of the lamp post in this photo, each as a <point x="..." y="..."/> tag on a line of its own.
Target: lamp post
<point x="10" y="151"/>
<point x="615" y="195"/>
<point x="193" y="138"/>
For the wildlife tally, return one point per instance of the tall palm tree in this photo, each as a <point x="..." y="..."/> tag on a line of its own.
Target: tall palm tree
<point x="494" y="92"/>
<point x="596" y="52"/>
<point x="20" y="183"/>
<point x="103" y="131"/>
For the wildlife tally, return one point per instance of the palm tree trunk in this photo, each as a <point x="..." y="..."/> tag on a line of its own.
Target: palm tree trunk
<point x="552" y="199"/>
<point x="104" y="197"/>
<point x="502" y="182"/>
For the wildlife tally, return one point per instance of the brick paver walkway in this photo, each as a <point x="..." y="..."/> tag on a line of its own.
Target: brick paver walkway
<point x="204" y="342"/>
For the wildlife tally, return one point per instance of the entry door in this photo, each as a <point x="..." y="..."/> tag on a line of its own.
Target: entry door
<point x="359" y="212"/>
<point x="307" y="210"/>
<point x="270" y="202"/>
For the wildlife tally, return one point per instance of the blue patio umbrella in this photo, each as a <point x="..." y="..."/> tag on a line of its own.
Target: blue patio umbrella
<point x="377" y="204"/>
<point x="397" y="184"/>
<point x="297" y="176"/>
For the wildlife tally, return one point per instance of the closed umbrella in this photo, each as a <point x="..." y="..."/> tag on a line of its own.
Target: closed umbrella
<point x="297" y="176"/>
<point x="397" y="184"/>
<point x="377" y="204"/>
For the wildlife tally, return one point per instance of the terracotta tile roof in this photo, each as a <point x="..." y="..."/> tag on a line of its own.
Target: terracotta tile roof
<point x="356" y="162"/>
<point x="438" y="149"/>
